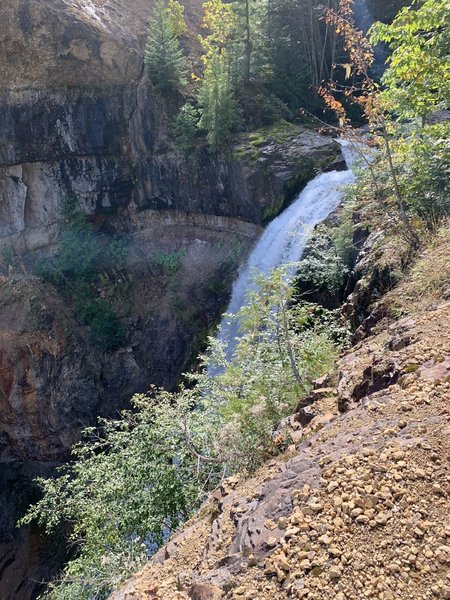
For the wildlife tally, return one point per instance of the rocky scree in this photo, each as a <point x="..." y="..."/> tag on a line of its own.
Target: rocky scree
<point x="358" y="505"/>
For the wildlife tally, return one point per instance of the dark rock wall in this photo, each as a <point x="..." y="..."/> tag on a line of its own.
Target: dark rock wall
<point x="78" y="115"/>
<point x="28" y="559"/>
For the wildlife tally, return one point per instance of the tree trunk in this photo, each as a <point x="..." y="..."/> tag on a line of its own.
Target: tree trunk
<point x="248" y="43"/>
<point x="412" y="235"/>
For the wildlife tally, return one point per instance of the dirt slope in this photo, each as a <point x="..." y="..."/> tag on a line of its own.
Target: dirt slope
<point x="359" y="507"/>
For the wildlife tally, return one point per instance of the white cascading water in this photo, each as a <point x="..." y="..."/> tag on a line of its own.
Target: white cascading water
<point x="284" y="239"/>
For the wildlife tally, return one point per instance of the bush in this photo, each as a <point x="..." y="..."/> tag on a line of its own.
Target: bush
<point x="172" y="448"/>
<point x="262" y="109"/>
<point x="8" y="260"/>
<point x="121" y="518"/>
<point x="169" y="261"/>
<point x="425" y="173"/>
<point x="76" y="272"/>
<point x="106" y="331"/>
<point x="322" y="268"/>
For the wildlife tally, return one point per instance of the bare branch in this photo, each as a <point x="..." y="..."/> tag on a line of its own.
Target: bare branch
<point x="193" y="450"/>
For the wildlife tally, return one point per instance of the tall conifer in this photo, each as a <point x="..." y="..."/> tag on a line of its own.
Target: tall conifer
<point x="164" y="58"/>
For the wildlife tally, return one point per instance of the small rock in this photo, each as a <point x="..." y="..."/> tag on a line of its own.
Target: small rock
<point x="333" y="485"/>
<point x="291" y="531"/>
<point x="325" y="539"/>
<point x="325" y="460"/>
<point x="382" y="518"/>
<point x="335" y="572"/>
<point x="305" y="416"/>
<point x="205" y="591"/>
<point x="362" y="519"/>
<point x="305" y="564"/>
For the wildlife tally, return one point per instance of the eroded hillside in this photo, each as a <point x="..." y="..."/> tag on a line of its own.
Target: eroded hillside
<point x="358" y="505"/>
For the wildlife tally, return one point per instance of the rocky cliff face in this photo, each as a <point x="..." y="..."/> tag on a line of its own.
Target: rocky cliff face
<point x="77" y="114"/>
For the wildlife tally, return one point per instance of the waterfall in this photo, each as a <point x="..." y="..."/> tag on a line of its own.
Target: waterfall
<point x="364" y="19"/>
<point x="284" y="239"/>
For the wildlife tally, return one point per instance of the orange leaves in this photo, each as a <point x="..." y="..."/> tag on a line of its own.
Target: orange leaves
<point x="363" y="90"/>
<point x="334" y="105"/>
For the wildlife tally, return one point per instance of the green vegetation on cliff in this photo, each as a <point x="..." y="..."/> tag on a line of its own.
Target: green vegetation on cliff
<point x="163" y="57"/>
<point x="260" y="62"/>
<point x="80" y="272"/>
<point x="133" y="480"/>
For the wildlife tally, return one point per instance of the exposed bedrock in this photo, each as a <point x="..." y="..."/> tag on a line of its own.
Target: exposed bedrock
<point x="78" y="115"/>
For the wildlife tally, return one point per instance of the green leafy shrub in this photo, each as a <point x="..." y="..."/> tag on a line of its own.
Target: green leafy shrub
<point x="342" y="235"/>
<point x="76" y="271"/>
<point x="172" y="448"/>
<point x="417" y="80"/>
<point x="262" y="109"/>
<point x="106" y="331"/>
<point x="130" y="482"/>
<point x="79" y="250"/>
<point x="118" y="252"/>
<point x="323" y="268"/>
<point x="7" y="259"/>
<point x="273" y="365"/>
<point x="169" y="261"/>
<point x="425" y="172"/>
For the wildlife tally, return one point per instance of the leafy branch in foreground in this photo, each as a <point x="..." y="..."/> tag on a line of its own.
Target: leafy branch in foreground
<point x="364" y="91"/>
<point x="134" y="480"/>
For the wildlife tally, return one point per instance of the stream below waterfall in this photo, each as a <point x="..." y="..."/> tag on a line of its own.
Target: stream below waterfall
<point x="284" y="239"/>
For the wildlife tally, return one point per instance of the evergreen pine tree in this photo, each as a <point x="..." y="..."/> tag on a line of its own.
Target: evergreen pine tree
<point x="164" y="58"/>
<point x="216" y="96"/>
<point x="218" y="107"/>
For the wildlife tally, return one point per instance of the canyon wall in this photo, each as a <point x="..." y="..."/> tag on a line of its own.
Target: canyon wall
<point x="78" y="115"/>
